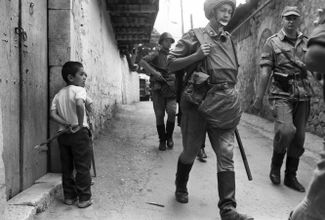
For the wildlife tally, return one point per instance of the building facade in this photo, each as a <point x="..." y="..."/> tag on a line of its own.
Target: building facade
<point x="37" y="38"/>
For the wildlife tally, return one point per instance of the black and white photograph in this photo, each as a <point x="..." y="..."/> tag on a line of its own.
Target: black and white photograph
<point x="162" y="110"/>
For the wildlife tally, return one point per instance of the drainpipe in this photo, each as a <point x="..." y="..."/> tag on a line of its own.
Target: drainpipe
<point x="49" y="167"/>
<point x="19" y="30"/>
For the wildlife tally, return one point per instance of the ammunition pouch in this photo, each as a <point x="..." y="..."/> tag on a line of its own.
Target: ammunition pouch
<point x="296" y="85"/>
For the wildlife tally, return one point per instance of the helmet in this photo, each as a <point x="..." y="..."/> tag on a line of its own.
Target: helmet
<point x="164" y="36"/>
<point x="210" y="5"/>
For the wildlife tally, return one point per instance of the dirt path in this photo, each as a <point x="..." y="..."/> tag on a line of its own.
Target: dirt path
<point x="132" y="172"/>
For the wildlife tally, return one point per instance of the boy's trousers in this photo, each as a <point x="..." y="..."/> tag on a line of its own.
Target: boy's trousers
<point x="194" y="128"/>
<point x="75" y="153"/>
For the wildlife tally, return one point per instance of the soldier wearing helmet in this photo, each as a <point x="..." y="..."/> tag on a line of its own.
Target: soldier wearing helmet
<point x="210" y="49"/>
<point x="283" y="60"/>
<point x="162" y="90"/>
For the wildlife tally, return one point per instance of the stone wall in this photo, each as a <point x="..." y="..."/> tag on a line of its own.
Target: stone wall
<point x="81" y="30"/>
<point x="2" y="172"/>
<point x="250" y="39"/>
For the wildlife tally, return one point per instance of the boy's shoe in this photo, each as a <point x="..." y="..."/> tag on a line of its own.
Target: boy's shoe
<point x="85" y="204"/>
<point x="69" y="201"/>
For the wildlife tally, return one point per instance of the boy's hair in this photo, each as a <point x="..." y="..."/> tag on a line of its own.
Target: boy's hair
<point x="70" y="67"/>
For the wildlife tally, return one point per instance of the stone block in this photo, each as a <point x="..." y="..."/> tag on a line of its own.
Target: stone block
<point x="56" y="80"/>
<point x="15" y="212"/>
<point x="59" y="52"/>
<point x="39" y="195"/>
<point x="53" y="178"/>
<point x="60" y="4"/>
<point x="59" y="24"/>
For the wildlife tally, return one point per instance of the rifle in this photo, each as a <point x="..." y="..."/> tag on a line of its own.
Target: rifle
<point x="243" y="155"/>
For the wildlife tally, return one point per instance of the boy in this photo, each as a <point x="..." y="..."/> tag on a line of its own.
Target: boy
<point x="68" y="110"/>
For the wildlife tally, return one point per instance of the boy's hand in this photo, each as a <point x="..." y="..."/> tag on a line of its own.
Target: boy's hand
<point x="203" y="51"/>
<point x="75" y="128"/>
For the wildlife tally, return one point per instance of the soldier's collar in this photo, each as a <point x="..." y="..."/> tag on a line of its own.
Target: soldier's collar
<point x="282" y="35"/>
<point x="222" y="34"/>
<point x="164" y="51"/>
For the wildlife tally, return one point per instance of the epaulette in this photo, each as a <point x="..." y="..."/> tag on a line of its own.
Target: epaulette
<point x="274" y="35"/>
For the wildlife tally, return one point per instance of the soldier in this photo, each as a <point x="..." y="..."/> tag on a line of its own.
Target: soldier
<point x="312" y="207"/>
<point x="162" y="90"/>
<point x="289" y="94"/>
<point x="220" y="56"/>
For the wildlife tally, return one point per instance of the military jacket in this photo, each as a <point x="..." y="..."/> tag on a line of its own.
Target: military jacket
<point x="279" y="53"/>
<point x="221" y="62"/>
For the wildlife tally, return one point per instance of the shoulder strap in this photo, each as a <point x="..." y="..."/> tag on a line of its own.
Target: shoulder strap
<point x="293" y="62"/>
<point x="199" y="35"/>
<point x="198" y="32"/>
<point x="234" y="48"/>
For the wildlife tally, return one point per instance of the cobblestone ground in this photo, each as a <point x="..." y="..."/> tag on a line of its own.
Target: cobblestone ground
<point x="131" y="173"/>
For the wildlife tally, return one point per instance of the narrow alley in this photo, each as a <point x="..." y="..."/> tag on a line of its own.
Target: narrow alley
<point x="131" y="173"/>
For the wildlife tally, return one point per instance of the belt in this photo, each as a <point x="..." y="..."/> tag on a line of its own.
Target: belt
<point x="288" y="76"/>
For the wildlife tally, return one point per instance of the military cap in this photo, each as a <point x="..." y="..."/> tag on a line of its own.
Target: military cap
<point x="290" y="10"/>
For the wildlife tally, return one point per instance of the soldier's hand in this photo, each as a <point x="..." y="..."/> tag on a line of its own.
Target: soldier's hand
<point x="203" y="51"/>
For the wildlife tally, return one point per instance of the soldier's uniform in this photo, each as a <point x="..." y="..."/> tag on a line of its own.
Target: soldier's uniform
<point x="161" y="104"/>
<point x="289" y="96"/>
<point x="222" y="68"/>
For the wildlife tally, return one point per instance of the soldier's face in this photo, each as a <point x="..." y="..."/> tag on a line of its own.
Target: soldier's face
<point x="222" y="14"/>
<point x="290" y="22"/>
<point x="166" y="43"/>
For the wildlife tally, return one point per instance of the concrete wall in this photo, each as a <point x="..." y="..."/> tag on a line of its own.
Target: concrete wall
<point x="250" y="40"/>
<point x="2" y="172"/>
<point x="82" y="31"/>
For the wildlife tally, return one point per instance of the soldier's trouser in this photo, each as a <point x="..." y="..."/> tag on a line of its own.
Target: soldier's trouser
<point x="194" y="128"/>
<point x="290" y="125"/>
<point x="162" y="105"/>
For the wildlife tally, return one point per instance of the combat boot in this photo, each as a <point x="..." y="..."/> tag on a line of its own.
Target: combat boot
<point x="182" y="175"/>
<point x="162" y="137"/>
<point x="290" y="178"/>
<point x="169" y="133"/>
<point x="277" y="160"/>
<point x="227" y="203"/>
